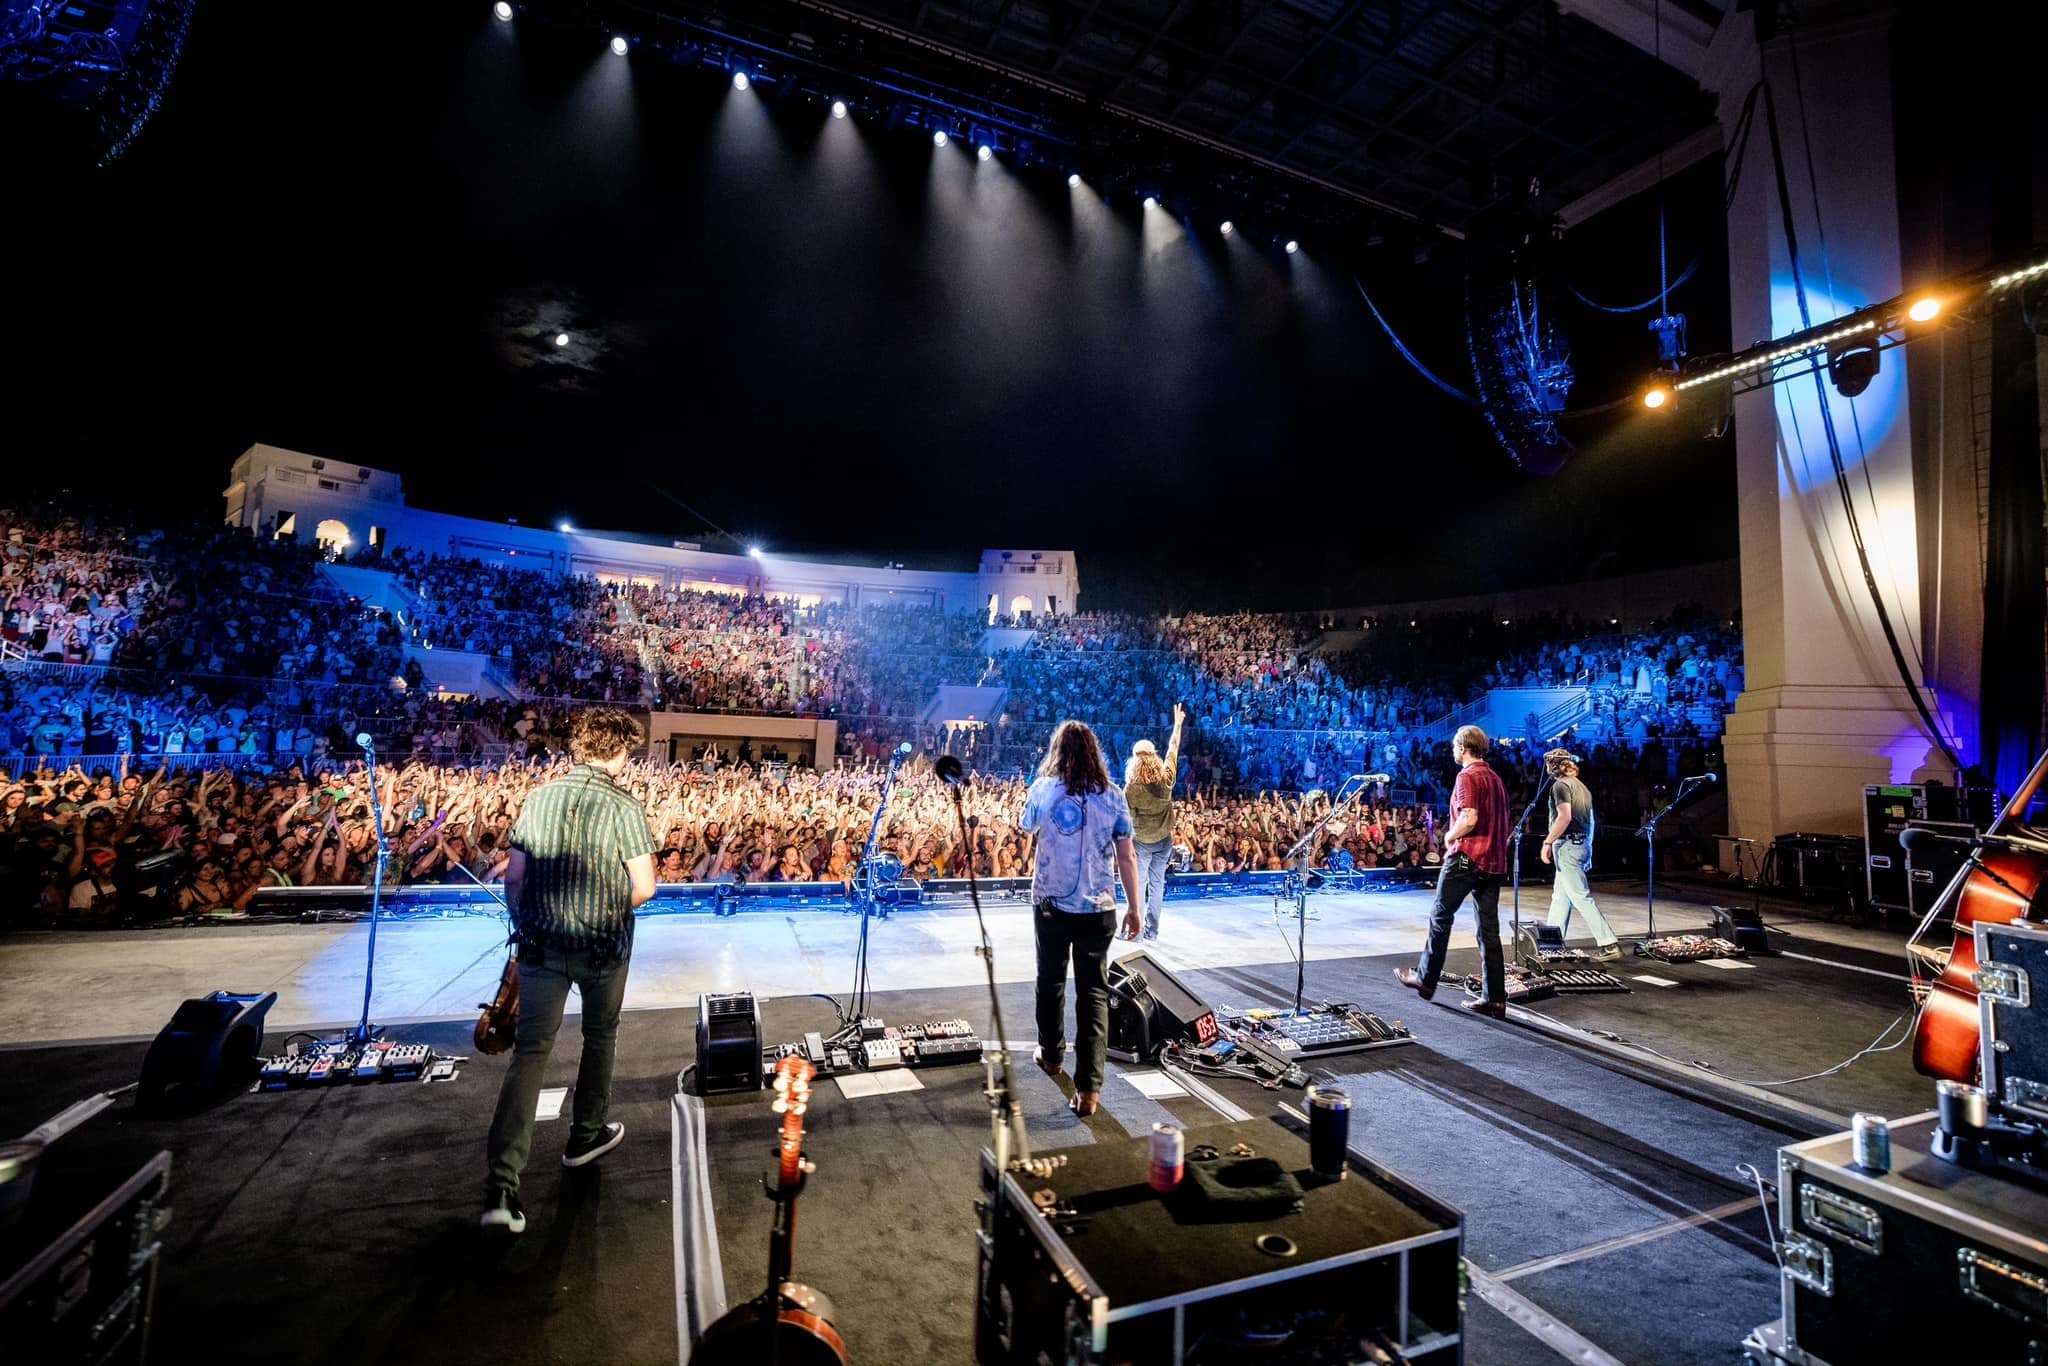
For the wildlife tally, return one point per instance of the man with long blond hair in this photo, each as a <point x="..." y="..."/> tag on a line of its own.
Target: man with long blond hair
<point x="1148" y="788"/>
<point x="1083" y="843"/>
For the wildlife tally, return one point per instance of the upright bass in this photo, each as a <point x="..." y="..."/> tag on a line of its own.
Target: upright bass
<point x="1998" y="887"/>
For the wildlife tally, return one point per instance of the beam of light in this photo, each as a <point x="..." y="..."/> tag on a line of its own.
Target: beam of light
<point x="503" y="9"/>
<point x="839" y="109"/>
<point x="618" y="45"/>
<point x="740" y="81"/>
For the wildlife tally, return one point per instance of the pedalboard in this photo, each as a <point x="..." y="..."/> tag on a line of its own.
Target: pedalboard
<point x="930" y="1043"/>
<point x="1689" y="948"/>
<point x="330" y="1063"/>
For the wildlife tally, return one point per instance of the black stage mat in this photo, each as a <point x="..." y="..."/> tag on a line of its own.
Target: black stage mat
<point x="339" y="1225"/>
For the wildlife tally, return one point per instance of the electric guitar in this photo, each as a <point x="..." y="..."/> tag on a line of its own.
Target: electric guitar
<point x="789" y="1323"/>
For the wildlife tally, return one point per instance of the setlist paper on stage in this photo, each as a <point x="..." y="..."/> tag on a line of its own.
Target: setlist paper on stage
<point x="854" y="1085"/>
<point x="1156" y="1085"/>
<point x="549" y="1106"/>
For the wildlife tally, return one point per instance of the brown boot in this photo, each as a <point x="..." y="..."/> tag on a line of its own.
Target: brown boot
<point x="1054" y="1066"/>
<point x="1086" y="1103"/>
<point x="1411" y="979"/>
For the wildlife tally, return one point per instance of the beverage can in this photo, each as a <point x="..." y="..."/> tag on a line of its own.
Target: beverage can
<point x="1168" y="1154"/>
<point x="1870" y="1139"/>
<point x="1329" y="1132"/>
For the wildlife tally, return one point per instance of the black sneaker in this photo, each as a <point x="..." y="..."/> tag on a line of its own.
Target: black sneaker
<point x="577" y="1155"/>
<point x="504" y="1215"/>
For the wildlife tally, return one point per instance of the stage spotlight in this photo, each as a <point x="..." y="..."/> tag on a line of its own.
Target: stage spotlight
<point x="561" y="338"/>
<point x="740" y="81"/>
<point x="839" y="109"/>
<point x="1074" y="181"/>
<point x="1151" y="202"/>
<point x="984" y="152"/>
<point x="1657" y="395"/>
<point x="939" y="139"/>
<point x="565" y="528"/>
<point x="755" y="551"/>
<point x="1924" y="310"/>
<point x="1292" y="246"/>
<point x="618" y="46"/>
<point x="1227" y="228"/>
<point x="503" y="9"/>
<point x="1852" y="367"/>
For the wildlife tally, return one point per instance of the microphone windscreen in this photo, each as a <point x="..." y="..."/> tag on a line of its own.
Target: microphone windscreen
<point x="948" y="769"/>
<point x="904" y="749"/>
<point x="363" y="738"/>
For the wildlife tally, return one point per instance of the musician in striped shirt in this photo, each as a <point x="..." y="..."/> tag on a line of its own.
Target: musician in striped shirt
<point x="582" y="859"/>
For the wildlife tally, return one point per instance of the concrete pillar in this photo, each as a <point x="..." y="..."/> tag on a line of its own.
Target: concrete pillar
<point x="1824" y="710"/>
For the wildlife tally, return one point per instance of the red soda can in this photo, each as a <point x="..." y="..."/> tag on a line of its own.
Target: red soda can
<point x="1168" y="1152"/>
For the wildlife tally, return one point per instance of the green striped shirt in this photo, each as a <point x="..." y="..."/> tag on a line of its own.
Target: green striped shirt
<point x="577" y="833"/>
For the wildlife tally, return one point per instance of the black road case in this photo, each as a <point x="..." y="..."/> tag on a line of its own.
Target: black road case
<point x="1930" y="1261"/>
<point x="1131" y="1281"/>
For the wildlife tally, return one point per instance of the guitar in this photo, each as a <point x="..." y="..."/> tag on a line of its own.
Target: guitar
<point x="497" y="1027"/>
<point x="789" y="1323"/>
<point x="2003" y="887"/>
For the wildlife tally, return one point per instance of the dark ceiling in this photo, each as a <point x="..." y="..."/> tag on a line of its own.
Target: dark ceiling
<point x="1435" y="109"/>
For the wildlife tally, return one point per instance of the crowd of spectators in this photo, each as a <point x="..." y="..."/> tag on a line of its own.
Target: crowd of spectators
<point x="242" y="666"/>
<point x="113" y="842"/>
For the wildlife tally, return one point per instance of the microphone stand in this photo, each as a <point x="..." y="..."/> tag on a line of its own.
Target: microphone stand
<point x="1007" y="1137"/>
<point x="1516" y="842"/>
<point x="864" y="897"/>
<point x="1298" y="879"/>
<point x="1648" y="831"/>
<point x="363" y="1033"/>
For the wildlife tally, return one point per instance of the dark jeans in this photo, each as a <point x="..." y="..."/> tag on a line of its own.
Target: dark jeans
<point x="1461" y="878"/>
<point x="544" y="980"/>
<point x="1085" y="937"/>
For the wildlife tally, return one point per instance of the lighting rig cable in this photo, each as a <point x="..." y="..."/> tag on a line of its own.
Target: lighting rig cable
<point x="1884" y="619"/>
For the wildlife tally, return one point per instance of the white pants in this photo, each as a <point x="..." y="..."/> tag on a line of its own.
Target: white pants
<point x="1570" y="892"/>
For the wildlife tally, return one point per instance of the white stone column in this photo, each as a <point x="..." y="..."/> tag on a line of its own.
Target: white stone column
<point x="1824" y="711"/>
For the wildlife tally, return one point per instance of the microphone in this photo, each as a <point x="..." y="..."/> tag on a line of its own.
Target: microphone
<point x="903" y="750"/>
<point x="1917" y="837"/>
<point x="1377" y="778"/>
<point x="948" y="769"/>
<point x="363" y="740"/>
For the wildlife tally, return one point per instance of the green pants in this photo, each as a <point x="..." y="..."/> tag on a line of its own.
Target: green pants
<point x="1083" y="936"/>
<point x="543" y="991"/>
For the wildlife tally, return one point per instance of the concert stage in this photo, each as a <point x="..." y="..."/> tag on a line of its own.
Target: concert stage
<point x="1601" y="1197"/>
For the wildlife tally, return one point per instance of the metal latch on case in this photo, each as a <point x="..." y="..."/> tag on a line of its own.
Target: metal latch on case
<point x="1809" y="1263"/>
<point x="2003" y="984"/>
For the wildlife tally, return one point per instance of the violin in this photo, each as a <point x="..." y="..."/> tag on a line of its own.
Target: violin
<point x="498" y="1026"/>
<point x="789" y="1322"/>
<point x="1996" y="888"/>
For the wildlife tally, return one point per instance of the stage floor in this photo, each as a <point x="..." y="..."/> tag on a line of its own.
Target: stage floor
<point x="1602" y="1198"/>
<point x="1603" y="1202"/>
<point x="124" y="984"/>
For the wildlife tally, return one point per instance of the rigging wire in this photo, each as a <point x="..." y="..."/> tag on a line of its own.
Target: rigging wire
<point x="1406" y="354"/>
<point x="1652" y="302"/>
